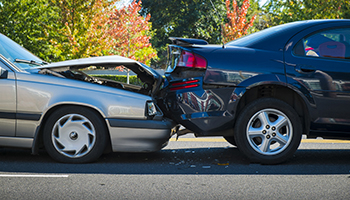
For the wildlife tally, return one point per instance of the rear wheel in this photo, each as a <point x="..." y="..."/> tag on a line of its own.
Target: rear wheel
<point x="268" y="131"/>
<point x="75" y="135"/>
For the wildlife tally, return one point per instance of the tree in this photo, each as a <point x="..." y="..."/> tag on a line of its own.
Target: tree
<point x="237" y="25"/>
<point x="57" y="30"/>
<point x="131" y="33"/>
<point x="185" y="18"/>
<point x="31" y="23"/>
<point x="83" y="30"/>
<point x="284" y="11"/>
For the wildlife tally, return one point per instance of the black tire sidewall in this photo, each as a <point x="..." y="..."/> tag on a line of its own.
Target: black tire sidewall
<point x="95" y="119"/>
<point x="231" y="140"/>
<point x="242" y="122"/>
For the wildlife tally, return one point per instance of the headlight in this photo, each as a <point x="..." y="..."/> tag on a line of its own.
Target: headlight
<point x="151" y="109"/>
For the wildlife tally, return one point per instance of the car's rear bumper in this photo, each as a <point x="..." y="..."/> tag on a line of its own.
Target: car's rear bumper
<point x="129" y="135"/>
<point x="203" y="111"/>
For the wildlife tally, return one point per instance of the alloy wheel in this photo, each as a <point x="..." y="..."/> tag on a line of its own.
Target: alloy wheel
<point x="269" y="131"/>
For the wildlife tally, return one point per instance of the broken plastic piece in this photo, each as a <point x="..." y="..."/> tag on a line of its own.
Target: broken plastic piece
<point x="223" y="164"/>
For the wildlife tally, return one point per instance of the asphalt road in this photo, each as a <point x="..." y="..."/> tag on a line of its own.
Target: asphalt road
<point x="203" y="168"/>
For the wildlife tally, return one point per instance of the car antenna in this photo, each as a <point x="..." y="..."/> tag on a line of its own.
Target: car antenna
<point x="221" y="24"/>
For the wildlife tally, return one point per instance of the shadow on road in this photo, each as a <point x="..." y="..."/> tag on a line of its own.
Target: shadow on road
<point x="180" y="161"/>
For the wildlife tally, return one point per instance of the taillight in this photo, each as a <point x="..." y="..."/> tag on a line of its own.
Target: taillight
<point x="184" y="85"/>
<point x="189" y="59"/>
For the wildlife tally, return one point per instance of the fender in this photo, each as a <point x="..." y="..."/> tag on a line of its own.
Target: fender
<point x="297" y="88"/>
<point x="38" y="131"/>
<point x="259" y="80"/>
<point x="275" y="79"/>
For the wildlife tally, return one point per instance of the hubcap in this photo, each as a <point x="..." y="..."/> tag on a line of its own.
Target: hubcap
<point x="73" y="135"/>
<point x="269" y="131"/>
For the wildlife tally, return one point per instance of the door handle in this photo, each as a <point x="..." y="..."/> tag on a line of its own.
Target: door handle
<point x="305" y="68"/>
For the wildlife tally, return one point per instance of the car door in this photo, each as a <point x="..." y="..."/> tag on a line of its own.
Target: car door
<point x="319" y="59"/>
<point x="7" y="101"/>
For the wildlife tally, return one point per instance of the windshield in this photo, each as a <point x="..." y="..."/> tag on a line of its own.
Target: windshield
<point x="12" y="51"/>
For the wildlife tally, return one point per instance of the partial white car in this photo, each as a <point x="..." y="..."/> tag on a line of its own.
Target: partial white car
<point x="77" y="117"/>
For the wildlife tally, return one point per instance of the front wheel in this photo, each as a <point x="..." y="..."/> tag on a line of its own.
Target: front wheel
<point x="74" y="135"/>
<point x="268" y="131"/>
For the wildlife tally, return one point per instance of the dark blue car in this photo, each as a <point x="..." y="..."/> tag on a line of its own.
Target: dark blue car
<point x="263" y="91"/>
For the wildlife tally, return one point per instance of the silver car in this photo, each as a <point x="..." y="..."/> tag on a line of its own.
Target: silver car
<point x="77" y="117"/>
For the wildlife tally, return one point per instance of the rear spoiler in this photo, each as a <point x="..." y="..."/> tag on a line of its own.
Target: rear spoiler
<point x="187" y="41"/>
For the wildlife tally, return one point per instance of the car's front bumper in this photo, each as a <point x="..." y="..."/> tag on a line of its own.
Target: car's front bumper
<point x="129" y="135"/>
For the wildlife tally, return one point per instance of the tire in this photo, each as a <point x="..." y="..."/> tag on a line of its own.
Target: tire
<point x="231" y="140"/>
<point x="75" y="135"/>
<point x="268" y="131"/>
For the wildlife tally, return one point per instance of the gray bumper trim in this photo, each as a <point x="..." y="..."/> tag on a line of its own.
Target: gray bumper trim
<point x="144" y="124"/>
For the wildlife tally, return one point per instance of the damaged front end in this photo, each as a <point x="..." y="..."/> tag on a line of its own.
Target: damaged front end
<point x="148" y="81"/>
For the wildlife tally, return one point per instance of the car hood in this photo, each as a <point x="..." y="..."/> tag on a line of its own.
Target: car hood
<point x="83" y="62"/>
<point x="143" y="72"/>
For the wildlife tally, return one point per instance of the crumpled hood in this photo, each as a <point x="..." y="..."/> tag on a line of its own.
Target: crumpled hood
<point x="143" y="72"/>
<point x="83" y="62"/>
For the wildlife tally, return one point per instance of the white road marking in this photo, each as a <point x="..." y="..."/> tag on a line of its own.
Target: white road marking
<point x="33" y="176"/>
<point x="223" y="140"/>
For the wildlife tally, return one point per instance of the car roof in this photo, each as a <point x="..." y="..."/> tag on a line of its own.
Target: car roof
<point x="276" y="37"/>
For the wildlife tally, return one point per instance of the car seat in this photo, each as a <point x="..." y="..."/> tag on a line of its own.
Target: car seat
<point x="343" y="40"/>
<point x="332" y="49"/>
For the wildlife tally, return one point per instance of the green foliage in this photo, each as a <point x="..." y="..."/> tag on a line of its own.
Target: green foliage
<point x="131" y="33"/>
<point x="64" y="29"/>
<point x="145" y="51"/>
<point x="188" y="19"/>
<point x="284" y="11"/>
<point x="238" y="24"/>
<point x="31" y="23"/>
<point x="83" y="27"/>
<point x="122" y="78"/>
<point x="57" y="30"/>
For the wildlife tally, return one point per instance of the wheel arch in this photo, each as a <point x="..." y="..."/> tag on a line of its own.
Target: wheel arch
<point x="281" y="92"/>
<point x="38" y="138"/>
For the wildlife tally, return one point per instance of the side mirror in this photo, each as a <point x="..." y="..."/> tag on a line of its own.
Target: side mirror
<point x="3" y="73"/>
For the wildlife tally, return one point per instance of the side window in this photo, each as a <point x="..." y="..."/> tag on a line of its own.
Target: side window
<point x="334" y="43"/>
